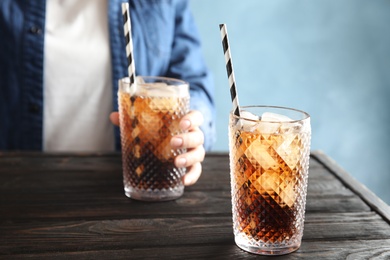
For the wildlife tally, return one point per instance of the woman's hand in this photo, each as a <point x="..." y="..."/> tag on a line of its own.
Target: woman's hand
<point x="192" y="140"/>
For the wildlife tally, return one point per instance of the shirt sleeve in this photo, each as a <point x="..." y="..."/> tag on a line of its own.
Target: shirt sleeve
<point x="187" y="63"/>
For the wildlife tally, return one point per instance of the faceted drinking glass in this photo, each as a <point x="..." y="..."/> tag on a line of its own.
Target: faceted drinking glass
<point x="269" y="160"/>
<point x="150" y="112"/>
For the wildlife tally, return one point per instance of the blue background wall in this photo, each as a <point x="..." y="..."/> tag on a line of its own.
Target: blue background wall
<point x="330" y="58"/>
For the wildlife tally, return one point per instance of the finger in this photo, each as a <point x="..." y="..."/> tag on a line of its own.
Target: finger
<point x="190" y="157"/>
<point x="193" y="174"/>
<point x="114" y="117"/>
<point x="188" y="140"/>
<point x="191" y="120"/>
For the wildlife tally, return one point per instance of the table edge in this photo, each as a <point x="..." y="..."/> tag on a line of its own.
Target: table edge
<point x="370" y="198"/>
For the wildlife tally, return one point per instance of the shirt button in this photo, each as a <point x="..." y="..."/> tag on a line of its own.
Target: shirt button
<point x="35" y="30"/>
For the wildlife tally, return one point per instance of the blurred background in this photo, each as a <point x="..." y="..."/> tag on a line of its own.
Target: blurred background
<point x="330" y="58"/>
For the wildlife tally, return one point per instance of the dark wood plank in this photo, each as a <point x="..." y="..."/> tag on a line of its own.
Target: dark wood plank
<point x="67" y="191"/>
<point x="358" y="188"/>
<point x="81" y="206"/>
<point x="66" y="195"/>
<point x="137" y="234"/>
<point x="192" y="203"/>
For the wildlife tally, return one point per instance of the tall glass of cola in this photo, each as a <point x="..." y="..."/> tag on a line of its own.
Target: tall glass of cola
<point x="269" y="160"/>
<point x="150" y="111"/>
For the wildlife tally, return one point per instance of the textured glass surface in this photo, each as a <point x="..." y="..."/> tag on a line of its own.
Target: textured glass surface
<point x="269" y="175"/>
<point x="147" y="126"/>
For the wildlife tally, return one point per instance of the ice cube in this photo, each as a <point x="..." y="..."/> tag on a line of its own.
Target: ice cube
<point x="164" y="151"/>
<point x="248" y="121"/>
<point x="151" y="123"/>
<point x="148" y="90"/>
<point x="289" y="149"/>
<point x="159" y="89"/>
<point x="258" y="154"/>
<point x="164" y="104"/>
<point x="273" y="117"/>
<point x="276" y="185"/>
<point x="139" y="80"/>
<point x="163" y="97"/>
<point x="272" y="122"/>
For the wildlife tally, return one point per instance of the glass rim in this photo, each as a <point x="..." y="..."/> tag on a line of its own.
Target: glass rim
<point x="305" y="114"/>
<point x="126" y="80"/>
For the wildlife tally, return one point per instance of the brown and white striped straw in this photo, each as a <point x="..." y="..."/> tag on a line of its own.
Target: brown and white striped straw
<point x="129" y="41"/>
<point x="229" y="69"/>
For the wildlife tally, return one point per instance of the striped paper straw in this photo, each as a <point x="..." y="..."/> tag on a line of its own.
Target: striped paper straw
<point x="129" y="41"/>
<point x="229" y="69"/>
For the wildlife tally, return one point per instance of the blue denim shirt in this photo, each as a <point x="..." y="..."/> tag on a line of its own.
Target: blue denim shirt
<point x="165" y="40"/>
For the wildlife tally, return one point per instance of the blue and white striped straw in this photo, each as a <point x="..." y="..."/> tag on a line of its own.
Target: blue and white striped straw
<point x="129" y="41"/>
<point x="229" y="69"/>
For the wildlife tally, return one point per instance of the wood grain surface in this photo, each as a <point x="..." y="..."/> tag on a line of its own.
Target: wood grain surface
<point x="72" y="206"/>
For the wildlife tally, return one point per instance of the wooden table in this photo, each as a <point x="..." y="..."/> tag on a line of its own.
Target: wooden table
<point x="72" y="206"/>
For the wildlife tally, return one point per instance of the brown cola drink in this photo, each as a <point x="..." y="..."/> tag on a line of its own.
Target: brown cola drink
<point x="150" y="112"/>
<point x="269" y="158"/>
